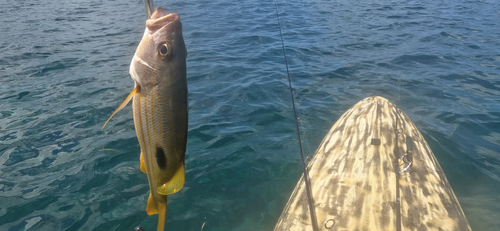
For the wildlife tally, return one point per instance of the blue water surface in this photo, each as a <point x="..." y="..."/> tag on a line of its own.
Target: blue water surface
<point x="64" y="70"/>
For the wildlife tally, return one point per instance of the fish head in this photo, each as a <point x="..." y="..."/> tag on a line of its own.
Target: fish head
<point x="161" y="53"/>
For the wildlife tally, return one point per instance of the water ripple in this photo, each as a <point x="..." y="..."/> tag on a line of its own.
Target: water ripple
<point x="64" y="70"/>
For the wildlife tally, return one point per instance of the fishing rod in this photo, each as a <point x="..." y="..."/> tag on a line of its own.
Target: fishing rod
<point x="304" y="167"/>
<point x="148" y="5"/>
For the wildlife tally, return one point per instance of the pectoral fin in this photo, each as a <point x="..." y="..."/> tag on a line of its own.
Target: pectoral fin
<point x="175" y="184"/>
<point x="143" y="166"/>
<point x="125" y="102"/>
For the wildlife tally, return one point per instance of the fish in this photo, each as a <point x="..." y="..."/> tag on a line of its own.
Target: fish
<point x="160" y="108"/>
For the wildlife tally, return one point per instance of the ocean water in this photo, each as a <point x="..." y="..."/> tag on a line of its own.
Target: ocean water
<point x="64" y="70"/>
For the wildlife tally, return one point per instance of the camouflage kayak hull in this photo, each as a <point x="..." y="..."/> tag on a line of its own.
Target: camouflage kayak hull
<point x="374" y="171"/>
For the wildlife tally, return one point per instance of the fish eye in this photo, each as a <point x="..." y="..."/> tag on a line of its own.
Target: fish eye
<point x="164" y="50"/>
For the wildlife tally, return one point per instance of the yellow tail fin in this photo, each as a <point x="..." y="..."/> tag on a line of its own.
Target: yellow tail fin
<point x="161" y="216"/>
<point x="125" y="102"/>
<point x="152" y="207"/>
<point x="155" y="207"/>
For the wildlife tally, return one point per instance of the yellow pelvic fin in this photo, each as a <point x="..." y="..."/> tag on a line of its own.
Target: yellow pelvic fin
<point x="143" y="166"/>
<point x="125" y="102"/>
<point x="152" y="207"/>
<point x="175" y="184"/>
<point x="161" y="216"/>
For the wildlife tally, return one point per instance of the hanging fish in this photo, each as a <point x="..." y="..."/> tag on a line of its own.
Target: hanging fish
<point x="160" y="107"/>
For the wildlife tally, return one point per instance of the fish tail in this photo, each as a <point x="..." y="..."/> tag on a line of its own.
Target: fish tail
<point x="161" y="216"/>
<point x="160" y="208"/>
<point x="152" y="207"/>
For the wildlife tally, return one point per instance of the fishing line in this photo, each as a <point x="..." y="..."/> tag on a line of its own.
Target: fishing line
<point x="301" y="120"/>
<point x="297" y="120"/>
<point x="399" y="99"/>
<point x="397" y="153"/>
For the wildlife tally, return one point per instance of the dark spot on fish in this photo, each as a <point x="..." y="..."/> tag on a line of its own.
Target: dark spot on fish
<point x="161" y="159"/>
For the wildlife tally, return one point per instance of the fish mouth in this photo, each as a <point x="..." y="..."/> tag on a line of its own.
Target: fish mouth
<point x="160" y="19"/>
<point x="161" y="28"/>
